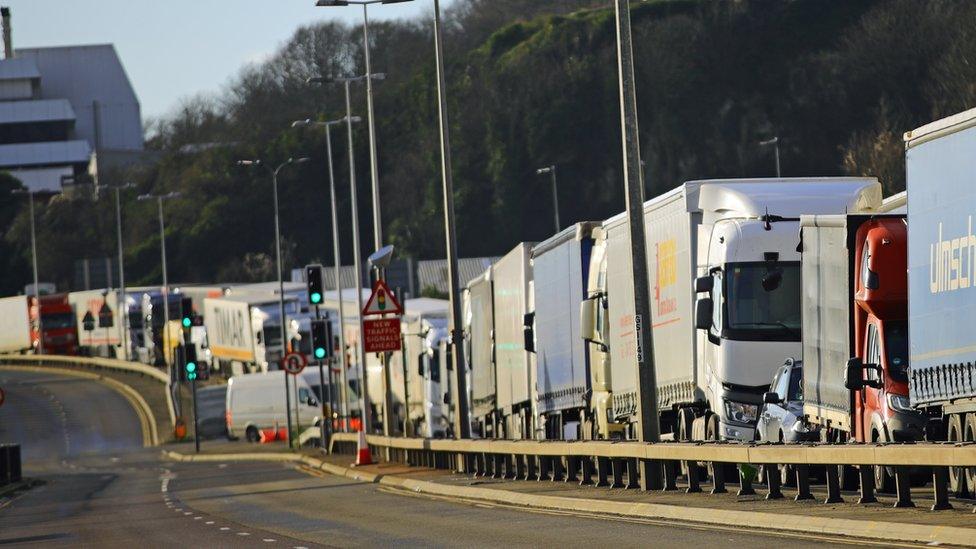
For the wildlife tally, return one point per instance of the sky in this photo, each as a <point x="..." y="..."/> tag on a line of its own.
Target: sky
<point x="172" y="49"/>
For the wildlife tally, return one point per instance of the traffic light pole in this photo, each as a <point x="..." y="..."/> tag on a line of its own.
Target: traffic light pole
<point x="326" y="422"/>
<point x="196" y="418"/>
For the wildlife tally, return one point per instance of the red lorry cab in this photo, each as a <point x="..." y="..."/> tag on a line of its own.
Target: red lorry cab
<point x="60" y="332"/>
<point x="881" y="333"/>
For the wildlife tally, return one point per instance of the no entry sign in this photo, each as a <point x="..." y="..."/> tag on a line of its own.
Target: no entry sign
<point x="294" y="363"/>
<point x="381" y="335"/>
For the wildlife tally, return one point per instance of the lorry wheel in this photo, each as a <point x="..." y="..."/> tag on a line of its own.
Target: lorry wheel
<point x="884" y="480"/>
<point x="957" y="475"/>
<point x="969" y="435"/>
<point x="252" y="434"/>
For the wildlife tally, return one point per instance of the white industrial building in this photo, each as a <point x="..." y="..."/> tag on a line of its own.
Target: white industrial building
<point x="65" y="112"/>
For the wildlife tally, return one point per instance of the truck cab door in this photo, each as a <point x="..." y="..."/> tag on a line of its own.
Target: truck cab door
<point x="866" y="400"/>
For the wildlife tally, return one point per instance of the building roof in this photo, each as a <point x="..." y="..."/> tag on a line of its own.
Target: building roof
<point x="51" y="153"/>
<point x="433" y="273"/>
<point x="43" y="110"/>
<point x="18" y="68"/>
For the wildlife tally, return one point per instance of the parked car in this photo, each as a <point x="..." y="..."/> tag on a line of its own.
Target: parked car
<point x="780" y="419"/>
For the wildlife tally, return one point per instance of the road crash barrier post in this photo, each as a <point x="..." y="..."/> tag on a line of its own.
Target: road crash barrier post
<point x="624" y="464"/>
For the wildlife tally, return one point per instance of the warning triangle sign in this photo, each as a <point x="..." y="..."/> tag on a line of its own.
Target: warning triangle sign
<point x="382" y="301"/>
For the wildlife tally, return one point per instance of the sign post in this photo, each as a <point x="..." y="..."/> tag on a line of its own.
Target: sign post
<point x="383" y="335"/>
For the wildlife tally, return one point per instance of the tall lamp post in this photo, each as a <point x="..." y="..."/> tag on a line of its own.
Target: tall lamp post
<point x="463" y="427"/>
<point x="649" y="429"/>
<point x="336" y="256"/>
<point x="37" y="290"/>
<point x="774" y="142"/>
<point x="551" y="170"/>
<point x="281" y="283"/>
<point x="159" y="198"/>
<point x="356" y="250"/>
<point x="374" y="168"/>
<point x="123" y="305"/>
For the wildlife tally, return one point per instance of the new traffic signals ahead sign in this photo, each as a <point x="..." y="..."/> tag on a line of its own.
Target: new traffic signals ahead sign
<point x="294" y="363"/>
<point x="381" y="335"/>
<point x="382" y="301"/>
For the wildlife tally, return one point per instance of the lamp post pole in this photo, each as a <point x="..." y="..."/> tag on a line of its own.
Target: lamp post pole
<point x="123" y="302"/>
<point x="775" y="143"/>
<point x="37" y="290"/>
<point x="281" y="283"/>
<point x="649" y="430"/>
<point x="337" y="259"/>
<point x="463" y="423"/>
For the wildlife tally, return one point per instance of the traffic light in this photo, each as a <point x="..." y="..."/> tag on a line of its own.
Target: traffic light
<point x="321" y="339"/>
<point x="186" y="313"/>
<point x="190" y="366"/>
<point x="313" y="276"/>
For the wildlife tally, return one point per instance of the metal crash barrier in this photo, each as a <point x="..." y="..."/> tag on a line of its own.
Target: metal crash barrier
<point x="637" y="465"/>
<point x="10" y="468"/>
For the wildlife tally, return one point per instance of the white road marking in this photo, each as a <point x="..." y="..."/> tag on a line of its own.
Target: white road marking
<point x="268" y="540"/>
<point x="209" y="522"/>
<point x="187" y="513"/>
<point x="197" y="518"/>
<point x="243" y="534"/>
<point x="224" y="528"/>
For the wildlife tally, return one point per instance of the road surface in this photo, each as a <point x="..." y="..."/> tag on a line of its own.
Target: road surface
<point x="102" y="488"/>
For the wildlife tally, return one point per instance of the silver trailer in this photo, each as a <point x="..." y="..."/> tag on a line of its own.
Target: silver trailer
<point x="560" y="268"/>
<point x="512" y="275"/>
<point x="480" y="347"/>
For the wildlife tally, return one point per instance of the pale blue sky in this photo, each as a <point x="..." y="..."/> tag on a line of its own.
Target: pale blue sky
<point x="178" y="48"/>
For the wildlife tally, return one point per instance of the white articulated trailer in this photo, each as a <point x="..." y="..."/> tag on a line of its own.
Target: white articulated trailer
<point x="560" y="266"/>
<point x="724" y="277"/>
<point x="480" y="353"/>
<point x="15" y="324"/>
<point x="244" y="331"/>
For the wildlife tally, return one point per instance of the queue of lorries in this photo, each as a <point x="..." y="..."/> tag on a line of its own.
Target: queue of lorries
<point x="786" y="309"/>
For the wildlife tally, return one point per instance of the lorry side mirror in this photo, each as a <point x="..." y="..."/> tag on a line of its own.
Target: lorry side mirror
<point x="703" y="313"/>
<point x="876" y="382"/>
<point x="704" y="284"/>
<point x="586" y="319"/>
<point x="528" y="331"/>
<point x="771" y="398"/>
<point x="854" y="376"/>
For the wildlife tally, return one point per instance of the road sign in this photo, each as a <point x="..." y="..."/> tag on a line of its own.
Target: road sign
<point x="382" y="301"/>
<point x="294" y="363"/>
<point x="105" y="316"/>
<point x="381" y="335"/>
<point x="88" y="323"/>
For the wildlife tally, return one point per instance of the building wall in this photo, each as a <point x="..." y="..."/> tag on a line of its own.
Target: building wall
<point x="93" y="79"/>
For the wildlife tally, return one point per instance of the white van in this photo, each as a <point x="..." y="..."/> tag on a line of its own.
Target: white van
<point x="257" y="401"/>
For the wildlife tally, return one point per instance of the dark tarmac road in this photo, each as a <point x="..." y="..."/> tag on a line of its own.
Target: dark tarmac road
<point x="101" y="488"/>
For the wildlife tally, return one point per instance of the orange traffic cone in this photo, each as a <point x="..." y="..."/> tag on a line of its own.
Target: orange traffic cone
<point x="363" y="455"/>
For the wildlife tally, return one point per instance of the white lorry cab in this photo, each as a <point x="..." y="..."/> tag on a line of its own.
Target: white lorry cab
<point x="418" y="375"/>
<point x="724" y="277"/>
<point x="257" y="401"/>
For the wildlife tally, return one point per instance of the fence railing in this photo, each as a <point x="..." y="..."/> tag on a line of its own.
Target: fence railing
<point x="629" y="464"/>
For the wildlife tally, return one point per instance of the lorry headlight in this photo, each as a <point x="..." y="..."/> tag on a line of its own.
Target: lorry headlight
<point x="741" y="412"/>
<point x="899" y="403"/>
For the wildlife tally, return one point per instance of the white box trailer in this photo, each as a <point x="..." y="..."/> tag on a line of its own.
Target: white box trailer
<point x="560" y="268"/>
<point x="100" y="341"/>
<point x="512" y="275"/>
<point x="480" y="352"/>
<point x="244" y="331"/>
<point x="15" y="324"/>
<point x="732" y="245"/>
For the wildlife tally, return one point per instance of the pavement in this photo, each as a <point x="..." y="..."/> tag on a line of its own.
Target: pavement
<point x="99" y="487"/>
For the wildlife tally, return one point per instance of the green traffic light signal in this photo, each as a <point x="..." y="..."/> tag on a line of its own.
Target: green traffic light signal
<point x="191" y="370"/>
<point x="187" y="322"/>
<point x="319" y="352"/>
<point x="316" y="298"/>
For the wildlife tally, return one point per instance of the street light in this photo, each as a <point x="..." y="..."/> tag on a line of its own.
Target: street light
<point x="551" y="170"/>
<point x="159" y="198"/>
<point x="37" y="290"/>
<point x="356" y="252"/>
<point x="374" y="169"/>
<point x="281" y="284"/>
<point x="336" y="256"/>
<point x="122" y="302"/>
<point x="463" y="428"/>
<point x="775" y="144"/>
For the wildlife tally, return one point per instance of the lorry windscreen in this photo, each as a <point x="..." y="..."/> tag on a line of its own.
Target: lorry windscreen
<point x="762" y="301"/>
<point x="58" y="321"/>
<point x="896" y="347"/>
